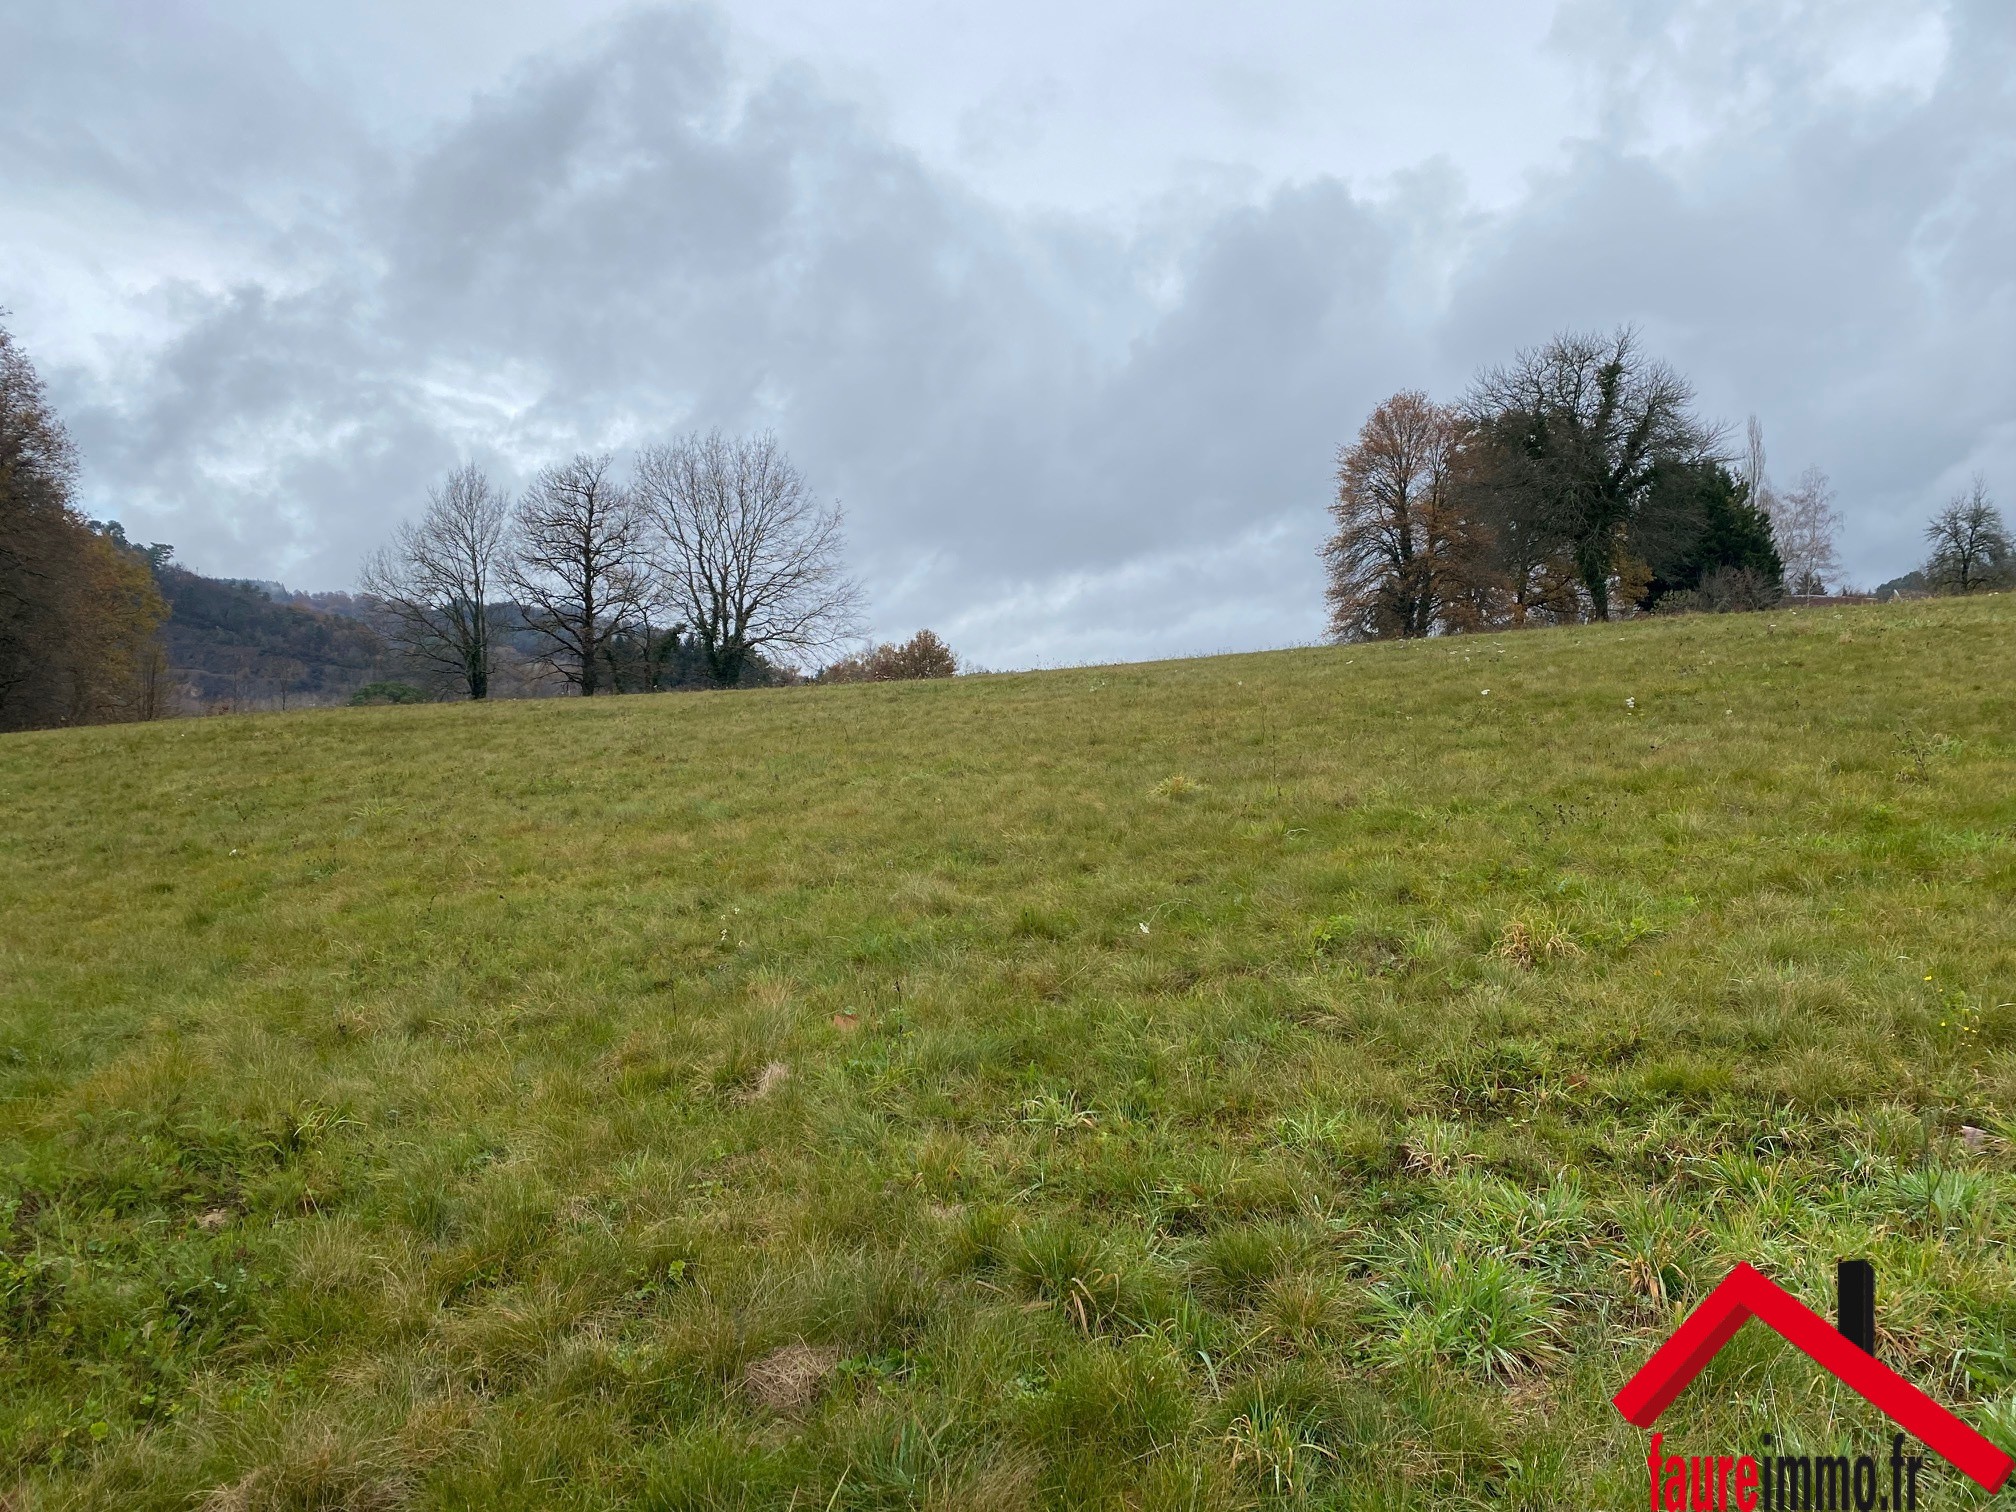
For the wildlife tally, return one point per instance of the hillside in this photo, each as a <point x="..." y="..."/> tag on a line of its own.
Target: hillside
<point x="1300" y="1076"/>
<point x="238" y="646"/>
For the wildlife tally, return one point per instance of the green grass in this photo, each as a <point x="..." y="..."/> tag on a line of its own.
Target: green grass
<point x="1286" y="1079"/>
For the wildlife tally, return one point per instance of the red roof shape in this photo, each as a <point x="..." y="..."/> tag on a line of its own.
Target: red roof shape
<point x="1747" y="1293"/>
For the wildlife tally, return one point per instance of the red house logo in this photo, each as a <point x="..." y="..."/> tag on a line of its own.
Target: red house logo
<point x="1747" y="1294"/>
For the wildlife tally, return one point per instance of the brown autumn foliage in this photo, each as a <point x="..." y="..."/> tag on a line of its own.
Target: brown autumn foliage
<point x="78" y="608"/>
<point x="1407" y="559"/>
<point x="923" y="655"/>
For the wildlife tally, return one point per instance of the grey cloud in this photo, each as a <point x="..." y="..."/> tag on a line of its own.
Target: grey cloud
<point x="162" y="109"/>
<point x="1057" y="438"/>
<point x="1841" y="268"/>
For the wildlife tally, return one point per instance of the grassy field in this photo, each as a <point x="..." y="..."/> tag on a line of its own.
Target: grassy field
<point x="1305" y="1078"/>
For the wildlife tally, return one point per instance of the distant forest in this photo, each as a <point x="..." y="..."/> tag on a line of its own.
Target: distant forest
<point x="241" y="645"/>
<point x="234" y="645"/>
<point x="229" y="645"/>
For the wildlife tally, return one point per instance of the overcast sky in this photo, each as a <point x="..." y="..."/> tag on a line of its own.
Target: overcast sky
<point x="1069" y="305"/>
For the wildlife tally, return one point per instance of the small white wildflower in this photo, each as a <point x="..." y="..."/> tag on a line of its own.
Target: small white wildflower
<point x="1630" y="703"/>
<point x="1144" y="926"/>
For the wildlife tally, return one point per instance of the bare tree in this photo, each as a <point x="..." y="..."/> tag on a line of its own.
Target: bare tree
<point x="1805" y="527"/>
<point x="752" y="562"/>
<point x="1403" y="554"/>
<point x="577" y="565"/>
<point x="1971" y="546"/>
<point x="433" y="582"/>
<point x="1579" y="429"/>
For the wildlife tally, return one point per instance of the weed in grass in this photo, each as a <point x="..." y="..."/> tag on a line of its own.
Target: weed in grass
<point x="1304" y="1311"/>
<point x="1274" y="1446"/>
<point x="1233" y="1266"/>
<point x="1433" y="1146"/>
<point x="1128" y="1398"/>
<point x="1526" y="942"/>
<point x="1443" y="1303"/>
<point x="1057" y="1113"/>
<point x="1098" y="1282"/>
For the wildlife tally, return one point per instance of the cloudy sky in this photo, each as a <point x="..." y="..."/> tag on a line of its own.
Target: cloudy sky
<point x="1069" y="305"/>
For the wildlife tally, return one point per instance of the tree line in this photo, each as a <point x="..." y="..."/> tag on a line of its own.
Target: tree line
<point x="709" y="563"/>
<point x="1578" y="481"/>
<point x="78" y="605"/>
<point x="1574" y="482"/>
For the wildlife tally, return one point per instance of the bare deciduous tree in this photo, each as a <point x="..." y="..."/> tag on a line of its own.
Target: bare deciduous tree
<point x="1805" y="527"/>
<point x="433" y="582"/>
<point x="1579" y="429"/>
<point x="751" y="561"/>
<point x="1971" y="546"/>
<point x="578" y="563"/>
<point x="1403" y="554"/>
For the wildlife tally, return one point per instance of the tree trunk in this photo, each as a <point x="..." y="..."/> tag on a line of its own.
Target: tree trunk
<point x="479" y="649"/>
<point x="590" y="673"/>
<point x="1595" y="574"/>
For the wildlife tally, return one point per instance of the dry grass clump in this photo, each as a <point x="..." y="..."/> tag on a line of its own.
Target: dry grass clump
<point x="792" y="1378"/>
<point x="319" y="1469"/>
<point x="1526" y="942"/>
<point x="773" y="1075"/>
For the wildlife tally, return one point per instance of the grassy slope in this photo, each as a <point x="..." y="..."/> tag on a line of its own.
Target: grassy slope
<point x="384" y="1117"/>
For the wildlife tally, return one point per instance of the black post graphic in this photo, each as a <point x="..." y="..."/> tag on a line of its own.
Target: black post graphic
<point x="1855" y="1288"/>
